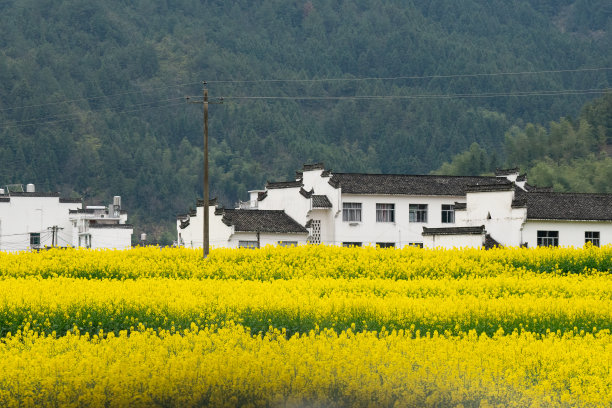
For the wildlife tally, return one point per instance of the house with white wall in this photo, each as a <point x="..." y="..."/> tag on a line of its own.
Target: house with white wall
<point x="30" y="220"/>
<point x="395" y="210"/>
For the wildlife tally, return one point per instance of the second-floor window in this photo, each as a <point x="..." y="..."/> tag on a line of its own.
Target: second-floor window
<point x="448" y="214"/>
<point x="418" y="212"/>
<point x="351" y="212"/>
<point x="385" y="212"/>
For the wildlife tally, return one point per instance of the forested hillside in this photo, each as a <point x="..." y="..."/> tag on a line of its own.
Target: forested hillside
<point x="568" y="155"/>
<point x="92" y="92"/>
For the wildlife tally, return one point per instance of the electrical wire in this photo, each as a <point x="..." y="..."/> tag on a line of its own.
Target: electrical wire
<point x="317" y="80"/>
<point x="395" y="78"/>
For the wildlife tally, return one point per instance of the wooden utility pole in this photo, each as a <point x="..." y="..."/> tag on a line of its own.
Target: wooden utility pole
<point x="205" y="229"/>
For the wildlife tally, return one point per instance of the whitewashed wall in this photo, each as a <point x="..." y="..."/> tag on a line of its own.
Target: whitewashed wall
<point x="402" y="231"/>
<point x="453" y="241"/>
<point x="23" y="215"/>
<point x="110" y="238"/>
<point x="571" y="233"/>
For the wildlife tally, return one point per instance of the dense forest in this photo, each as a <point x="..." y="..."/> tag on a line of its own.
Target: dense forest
<point x="92" y="93"/>
<point x="568" y="155"/>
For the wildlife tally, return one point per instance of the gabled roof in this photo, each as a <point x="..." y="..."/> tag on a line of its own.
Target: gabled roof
<point x="262" y="221"/>
<point x="568" y="206"/>
<point x="406" y="184"/>
<point x="320" y="201"/>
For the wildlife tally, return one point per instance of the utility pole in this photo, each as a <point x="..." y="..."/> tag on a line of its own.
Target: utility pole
<point x="54" y="230"/>
<point x="205" y="103"/>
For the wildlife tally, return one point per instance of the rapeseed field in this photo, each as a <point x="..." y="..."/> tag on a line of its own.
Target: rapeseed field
<point x="312" y="326"/>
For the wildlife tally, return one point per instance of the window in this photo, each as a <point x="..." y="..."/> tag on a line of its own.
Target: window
<point x="592" y="237"/>
<point x="287" y="243"/>
<point x="351" y="212"/>
<point x="315" y="237"/>
<point x="35" y="240"/>
<point x="351" y="244"/>
<point x="385" y="244"/>
<point x="448" y="214"/>
<point x="385" y="212"/>
<point x="248" y="244"/>
<point x="416" y="244"/>
<point x="418" y="212"/>
<point x="548" y="238"/>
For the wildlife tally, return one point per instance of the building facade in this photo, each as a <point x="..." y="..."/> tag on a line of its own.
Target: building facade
<point x="30" y="220"/>
<point x="395" y="210"/>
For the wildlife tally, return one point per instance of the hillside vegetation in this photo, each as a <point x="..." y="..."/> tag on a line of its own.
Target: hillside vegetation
<point x="92" y="93"/>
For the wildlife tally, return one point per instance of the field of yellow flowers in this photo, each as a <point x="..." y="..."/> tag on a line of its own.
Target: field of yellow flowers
<point x="312" y="326"/>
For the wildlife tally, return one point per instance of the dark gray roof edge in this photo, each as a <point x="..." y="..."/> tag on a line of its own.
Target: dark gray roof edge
<point x="454" y="231"/>
<point x="284" y="184"/>
<point x="313" y="166"/>
<point x="118" y="226"/>
<point x="25" y="194"/>
<point x="540" y="218"/>
<point x="71" y="200"/>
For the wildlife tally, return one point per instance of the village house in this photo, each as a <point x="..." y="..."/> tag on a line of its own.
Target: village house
<point x="395" y="210"/>
<point x="30" y="220"/>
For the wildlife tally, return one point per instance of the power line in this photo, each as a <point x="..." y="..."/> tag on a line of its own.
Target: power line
<point x="430" y="96"/>
<point x="314" y="80"/>
<point x="492" y="74"/>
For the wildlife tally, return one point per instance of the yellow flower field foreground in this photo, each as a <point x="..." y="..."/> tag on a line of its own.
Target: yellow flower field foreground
<point x="307" y="261"/>
<point x="228" y="367"/>
<point x="533" y="302"/>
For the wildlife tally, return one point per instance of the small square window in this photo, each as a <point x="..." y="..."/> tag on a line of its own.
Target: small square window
<point x="592" y="237"/>
<point x="351" y="212"/>
<point x="385" y="212"/>
<point x="418" y="212"/>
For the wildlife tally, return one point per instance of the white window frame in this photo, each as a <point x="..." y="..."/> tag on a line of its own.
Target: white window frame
<point x="385" y="212"/>
<point x="418" y="212"/>
<point x="448" y="212"/>
<point x="351" y="212"/>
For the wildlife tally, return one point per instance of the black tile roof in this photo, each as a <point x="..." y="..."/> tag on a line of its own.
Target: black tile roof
<point x="454" y="231"/>
<point x="404" y="184"/>
<point x="284" y="184"/>
<point x="305" y="193"/>
<point x="262" y="220"/>
<point x="313" y="166"/>
<point x="502" y="185"/>
<point x="25" y="194"/>
<point x="460" y="206"/>
<point x="321" y="201"/>
<point x="71" y="200"/>
<point x="211" y="202"/>
<point x="568" y="206"/>
<point x="490" y="243"/>
<point x="506" y="172"/>
<point x="5" y="199"/>
<point x="118" y="226"/>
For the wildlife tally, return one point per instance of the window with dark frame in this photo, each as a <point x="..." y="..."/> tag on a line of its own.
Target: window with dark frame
<point x="592" y="237"/>
<point x="416" y="244"/>
<point x="248" y="244"/>
<point x="385" y="212"/>
<point x="35" y="239"/>
<point x="548" y="238"/>
<point x="287" y="243"/>
<point x="351" y="212"/>
<point x="448" y="214"/>
<point x="351" y="244"/>
<point x="385" y="244"/>
<point x="418" y="212"/>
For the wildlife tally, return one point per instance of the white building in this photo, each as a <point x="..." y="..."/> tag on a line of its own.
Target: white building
<point x="395" y="210"/>
<point x="30" y="221"/>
